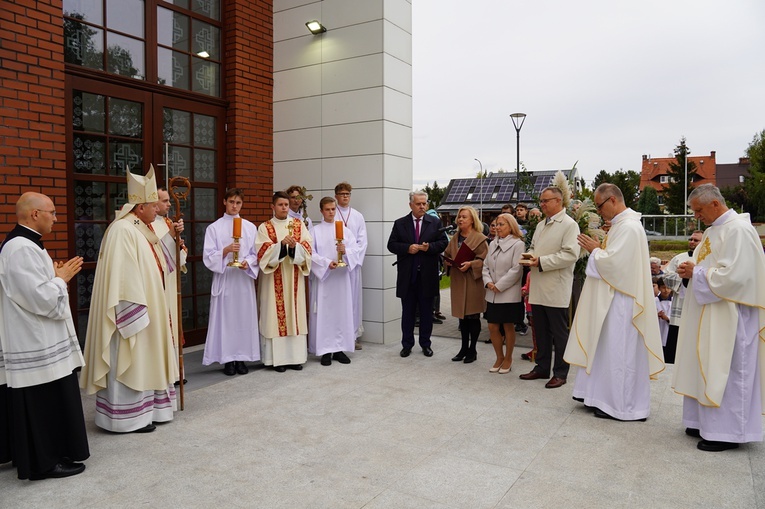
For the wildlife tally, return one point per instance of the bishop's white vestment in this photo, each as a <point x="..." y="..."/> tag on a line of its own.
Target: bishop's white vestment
<point x="129" y="345"/>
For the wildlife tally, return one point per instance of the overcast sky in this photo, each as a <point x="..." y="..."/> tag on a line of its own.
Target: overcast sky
<point x="602" y="82"/>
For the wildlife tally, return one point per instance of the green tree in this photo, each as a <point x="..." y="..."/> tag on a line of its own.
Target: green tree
<point x="754" y="184"/>
<point x="628" y="183"/>
<point x="648" y="203"/>
<point x="674" y="193"/>
<point x="435" y="194"/>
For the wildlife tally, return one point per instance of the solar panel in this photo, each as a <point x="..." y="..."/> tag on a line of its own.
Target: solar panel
<point x="458" y="191"/>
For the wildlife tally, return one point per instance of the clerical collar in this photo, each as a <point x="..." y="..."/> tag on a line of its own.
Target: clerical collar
<point x="26" y="232"/>
<point x="225" y="214"/>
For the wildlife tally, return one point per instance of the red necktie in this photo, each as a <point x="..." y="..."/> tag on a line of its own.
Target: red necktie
<point x="417" y="231"/>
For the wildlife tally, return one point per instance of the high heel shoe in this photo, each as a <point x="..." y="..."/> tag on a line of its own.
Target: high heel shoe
<point x="504" y="371"/>
<point x="495" y="369"/>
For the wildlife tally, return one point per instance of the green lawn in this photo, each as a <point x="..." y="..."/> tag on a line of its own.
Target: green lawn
<point x="444" y="283"/>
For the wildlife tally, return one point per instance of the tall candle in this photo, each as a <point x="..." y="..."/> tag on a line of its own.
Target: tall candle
<point x="339" y="230"/>
<point x="237" y="227"/>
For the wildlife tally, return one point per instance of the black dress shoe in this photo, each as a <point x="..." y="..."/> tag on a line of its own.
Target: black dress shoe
<point x="602" y="415"/>
<point x="712" y="446"/>
<point x="427" y="351"/>
<point x="459" y="357"/>
<point x="693" y="432"/>
<point x="229" y="369"/>
<point x="341" y="358"/>
<point x="59" y="471"/>
<point x="280" y="369"/>
<point x="178" y="382"/>
<point x="471" y="357"/>
<point x="580" y="400"/>
<point x="146" y="429"/>
<point x="405" y="352"/>
<point x="437" y="321"/>
<point x="296" y="367"/>
<point x="326" y="359"/>
<point x="241" y="368"/>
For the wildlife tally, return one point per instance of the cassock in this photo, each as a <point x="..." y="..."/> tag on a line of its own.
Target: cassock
<point x="41" y="419"/>
<point x="129" y="345"/>
<point x="614" y="337"/>
<point x="162" y="226"/>
<point x="232" y="332"/>
<point x="330" y="319"/>
<point x="721" y="343"/>
<point x="281" y="290"/>
<point x="354" y="221"/>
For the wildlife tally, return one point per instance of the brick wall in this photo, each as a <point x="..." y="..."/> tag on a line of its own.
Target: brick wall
<point x="248" y="46"/>
<point x="32" y="123"/>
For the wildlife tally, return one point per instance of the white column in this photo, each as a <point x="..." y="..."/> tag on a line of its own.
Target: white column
<point x="343" y="112"/>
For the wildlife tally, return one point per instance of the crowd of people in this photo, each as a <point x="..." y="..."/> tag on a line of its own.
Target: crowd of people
<point x="308" y="300"/>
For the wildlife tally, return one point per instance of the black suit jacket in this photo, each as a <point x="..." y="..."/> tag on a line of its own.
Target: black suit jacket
<point x="401" y="237"/>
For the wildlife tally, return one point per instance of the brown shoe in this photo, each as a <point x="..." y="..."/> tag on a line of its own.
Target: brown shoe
<point x="532" y="375"/>
<point x="357" y="346"/>
<point x="555" y="382"/>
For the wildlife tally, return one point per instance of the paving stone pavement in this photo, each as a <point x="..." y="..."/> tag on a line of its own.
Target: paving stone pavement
<point x="387" y="432"/>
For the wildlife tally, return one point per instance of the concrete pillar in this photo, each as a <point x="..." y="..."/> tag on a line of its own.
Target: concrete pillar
<point x="343" y="112"/>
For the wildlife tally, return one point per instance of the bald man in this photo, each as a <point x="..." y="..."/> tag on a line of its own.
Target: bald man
<point x="40" y="406"/>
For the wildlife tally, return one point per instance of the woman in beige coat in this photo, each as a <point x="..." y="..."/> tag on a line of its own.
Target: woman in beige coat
<point x="466" y="280"/>
<point x="502" y="278"/>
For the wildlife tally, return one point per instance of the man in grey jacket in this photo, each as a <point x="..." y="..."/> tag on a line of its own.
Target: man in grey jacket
<point x="555" y="251"/>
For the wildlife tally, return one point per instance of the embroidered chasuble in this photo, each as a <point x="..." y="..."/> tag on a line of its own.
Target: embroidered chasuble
<point x="129" y="304"/>
<point x="281" y="291"/>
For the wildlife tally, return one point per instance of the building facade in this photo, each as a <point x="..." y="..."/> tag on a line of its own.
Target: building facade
<point x="93" y="87"/>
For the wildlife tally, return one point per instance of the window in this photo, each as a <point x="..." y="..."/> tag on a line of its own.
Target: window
<point x="116" y="37"/>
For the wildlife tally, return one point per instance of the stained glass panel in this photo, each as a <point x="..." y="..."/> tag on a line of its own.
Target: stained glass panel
<point x="123" y="155"/>
<point x="204" y="165"/>
<point x="125" y="56"/>
<point x="205" y="205"/>
<point x="89" y="154"/>
<point x="204" y="131"/>
<point x="206" y="77"/>
<point x="125" y="118"/>
<point x="89" y="201"/>
<point x="83" y="45"/>
<point x="88" y="112"/>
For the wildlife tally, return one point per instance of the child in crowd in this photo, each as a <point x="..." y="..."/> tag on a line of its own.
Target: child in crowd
<point x="663" y="305"/>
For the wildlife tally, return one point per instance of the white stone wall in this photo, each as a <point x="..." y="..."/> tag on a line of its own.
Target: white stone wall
<point x="343" y="111"/>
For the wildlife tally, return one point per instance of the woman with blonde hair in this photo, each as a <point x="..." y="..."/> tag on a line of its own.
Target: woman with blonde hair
<point x="466" y="279"/>
<point x="502" y="279"/>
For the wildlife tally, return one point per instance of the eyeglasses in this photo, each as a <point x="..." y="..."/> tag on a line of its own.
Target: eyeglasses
<point x="543" y="202"/>
<point x="598" y="207"/>
<point x="343" y="194"/>
<point x="52" y="212"/>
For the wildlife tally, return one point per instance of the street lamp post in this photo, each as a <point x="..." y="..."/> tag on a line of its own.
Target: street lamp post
<point x="480" y="191"/>
<point x="518" y="120"/>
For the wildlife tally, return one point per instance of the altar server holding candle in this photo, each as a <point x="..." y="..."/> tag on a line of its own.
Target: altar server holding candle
<point x="232" y="333"/>
<point x="330" y="320"/>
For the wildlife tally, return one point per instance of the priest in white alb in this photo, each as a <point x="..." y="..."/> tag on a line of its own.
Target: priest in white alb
<point x="129" y="345"/>
<point x="614" y="337"/>
<point x="284" y="255"/>
<point x="331" y="332"/>
<point x="232" y="331"/>
<point x="721" y="343"/>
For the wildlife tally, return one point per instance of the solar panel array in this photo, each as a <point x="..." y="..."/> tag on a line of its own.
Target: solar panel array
<point x="483" y="189"/>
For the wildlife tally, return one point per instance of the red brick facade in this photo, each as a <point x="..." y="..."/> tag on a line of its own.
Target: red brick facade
<point x="32" y="120"/>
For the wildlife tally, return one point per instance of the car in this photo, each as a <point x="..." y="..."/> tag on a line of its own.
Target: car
<point x="653" y="233"/>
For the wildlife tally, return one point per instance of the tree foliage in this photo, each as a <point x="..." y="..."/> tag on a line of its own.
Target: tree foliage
<point x="648" y="203"/>
<point x="435" y="194"/>
<point x="674" y="193"/>
<point x="628" y="183"/>
<point x="750" y="197"/>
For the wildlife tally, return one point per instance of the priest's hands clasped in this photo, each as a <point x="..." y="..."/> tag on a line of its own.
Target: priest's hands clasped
<point x="289" y="241"/>
<point x="67" y="270"/>
<point x="685" y="269"/>
<point x="587" y="242"/>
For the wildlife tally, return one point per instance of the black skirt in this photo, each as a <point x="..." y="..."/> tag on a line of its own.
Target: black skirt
<point x="511" y="312"/>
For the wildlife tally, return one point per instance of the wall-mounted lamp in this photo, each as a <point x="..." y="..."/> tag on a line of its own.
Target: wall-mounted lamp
<point x="203" y="54"/>
<point x="315" y="27"/>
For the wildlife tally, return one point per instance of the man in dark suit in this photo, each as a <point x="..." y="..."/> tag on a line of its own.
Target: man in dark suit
<point x="416" y="241"/>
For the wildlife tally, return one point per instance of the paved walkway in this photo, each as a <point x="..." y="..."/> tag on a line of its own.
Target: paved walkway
<point x="387" y="432"/>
